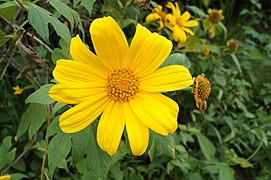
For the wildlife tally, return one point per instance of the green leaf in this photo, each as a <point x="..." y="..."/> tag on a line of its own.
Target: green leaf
<point x="225" y="172"/>
<point x="37" y="119"/>
<point x="57" y="107"/>
<point x="234" y="158"/>
<point x="41" y="95"/>
<point x="61" y="53"/>
<point x="162" y="145"/>
<point x="88" y="4"/>
<point x="33" y="118"/>
<point x="220" y="79"/>
<point x="100" y="168"/>
<point x="70" y="14"/>
<point x="8" y="10"/>
<point x="6" y="155"/>
<point x="176" y="59"/>
<point x="58" y="149"/>
<point x="237" y="63"/>
<point x="196" y="10"/>
<point x="206" y="146"/>
<point x="18" y="176"/>
<point x="39" y="18"/>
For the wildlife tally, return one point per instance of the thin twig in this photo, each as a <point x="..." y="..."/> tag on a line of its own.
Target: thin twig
<point x="5" y="69"/>
<point x="46" y="142"/>
<point x="28" y="34"/>
<point x="20" y="156"/>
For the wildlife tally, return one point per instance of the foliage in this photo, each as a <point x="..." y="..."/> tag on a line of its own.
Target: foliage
<point x="231" y="140"/>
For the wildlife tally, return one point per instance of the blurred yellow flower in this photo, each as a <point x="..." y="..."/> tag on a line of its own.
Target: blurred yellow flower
<point x="121" y="82"/>
<point x="17" y="90"/>
<point x="215" y="16"/>
<point x="157" y="13"/>
<point x="201" y="90"/>
<point x="232" y="45"/>
<point x="5" y="177"/>
<point x="178" y="23"/>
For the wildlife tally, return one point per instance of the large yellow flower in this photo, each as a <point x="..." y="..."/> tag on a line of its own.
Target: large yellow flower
<point x="120" y="82"/>
<point x="178" y="23"/>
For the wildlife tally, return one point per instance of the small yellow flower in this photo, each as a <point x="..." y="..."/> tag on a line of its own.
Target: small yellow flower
<point x="17" y="90"/>
<point x="157" y="13"/>
<point x="178" y="23"/>
<point x="215" y="16"/>
<point x="232" y="45"/>
<point x="201" y="90"/>
<point x="122" y="82"/>
<point x="5" y="177"/>
<point x="206" y="50"/>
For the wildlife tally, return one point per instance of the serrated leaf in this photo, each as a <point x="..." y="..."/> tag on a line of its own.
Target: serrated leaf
<point x="39" y="18"/>
<point x="88" y="4"/>
<point x="37" y="119"/>
<point x="41" y="96"/>
<point x="206" y="146"/>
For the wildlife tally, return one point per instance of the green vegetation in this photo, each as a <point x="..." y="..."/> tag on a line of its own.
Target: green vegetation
<point x="230" y="140"/>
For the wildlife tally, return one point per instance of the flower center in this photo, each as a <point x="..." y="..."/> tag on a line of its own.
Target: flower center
<point x="122" y="85"/>
<point x="215" y="16"/>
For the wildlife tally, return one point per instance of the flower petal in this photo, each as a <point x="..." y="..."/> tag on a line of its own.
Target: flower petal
<point x="179" y="34"/>
<point x="154" y="113"/>
<point x="185" y="16"/>
<point x="175" y="10"/>
<point x="147" y="51"/>
<point x="188" y="31"/>
<point x="83" y="114"/>
<point x="109" y="42"/>
<point x="170" y="21"/>
<point x="74" y="93"/>
<point x="191" y="23"/>
<point x="82" y="54"/>
<point x="110" y="127"/>
<point x="138" y="132"/>
<point x="152" y="17"/>
<point x="169" y="78"/>
<point x="67" y="71"/>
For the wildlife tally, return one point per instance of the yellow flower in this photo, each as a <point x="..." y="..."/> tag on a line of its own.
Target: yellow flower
<point x="201" y="90"/>
<point x="122" y="83"/>
<point x="215" y="16"/>
<point x="232" y="45"/>
<point x="157" y="13"/>
<point x="178" y="23"/>
<point x="17" y="90"/>
<point x="5" y="177"/>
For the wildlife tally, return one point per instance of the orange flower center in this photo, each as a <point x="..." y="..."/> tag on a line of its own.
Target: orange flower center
<point x="122" y="85"/>
<point x="215" y="16"/>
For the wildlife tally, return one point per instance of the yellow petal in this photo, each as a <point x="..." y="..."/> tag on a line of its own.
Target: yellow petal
<point x="169" y="78"/>
<point x="179" y="34"/>
<point x="75" y="93"/>
<point x="153" y="113"/>
<point x="71" y="71"/>
<point x="185" y="16"/>
<point x="170" y="21"/>
<point x="110" y="127"/>
<point x="175" y="10"/>
<point x="138" y="132"/>
<point x="188" y="31"/>
<point x="109" y="42"/>
<point x="191" y="23"/>
<point x="80" y="116"/>
<point x="147" y="51"/>
<point x="152" y="17"/>
<point x="82" y="54"/>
